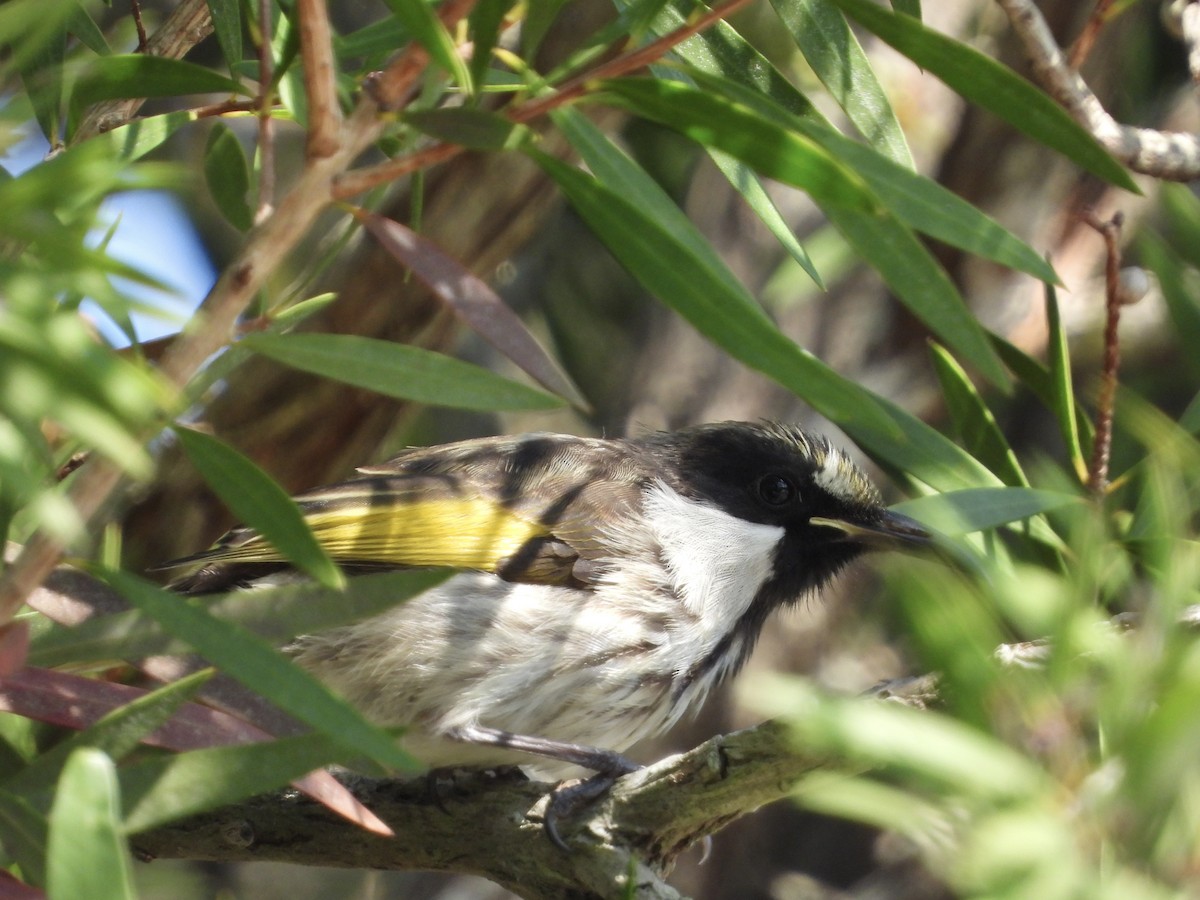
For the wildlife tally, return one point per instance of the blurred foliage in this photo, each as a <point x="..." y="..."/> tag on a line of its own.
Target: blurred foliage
<point x="1074" y="777"/>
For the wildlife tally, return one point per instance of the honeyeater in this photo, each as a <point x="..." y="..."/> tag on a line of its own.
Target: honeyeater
<point x="605" y="585"/>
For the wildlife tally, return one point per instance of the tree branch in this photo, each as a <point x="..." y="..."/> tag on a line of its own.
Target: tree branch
<point x="1173" y="156"/>
<point x="490" y="823"/>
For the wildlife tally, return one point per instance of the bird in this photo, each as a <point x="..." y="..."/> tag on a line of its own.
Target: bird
<point x="602" y="588"/>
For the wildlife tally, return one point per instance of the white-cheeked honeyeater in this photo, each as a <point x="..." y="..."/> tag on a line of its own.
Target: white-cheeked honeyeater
<point x="605" y="587"/>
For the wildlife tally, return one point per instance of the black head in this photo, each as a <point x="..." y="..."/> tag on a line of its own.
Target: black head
<point x="781" y="475"/>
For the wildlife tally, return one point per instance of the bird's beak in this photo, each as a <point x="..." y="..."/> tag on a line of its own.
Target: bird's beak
<point x="892" y="531"/>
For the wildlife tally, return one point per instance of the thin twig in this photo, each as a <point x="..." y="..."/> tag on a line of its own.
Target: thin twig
<point x="1087" y="38"/>
<point x="316" y="51"/>
<point x="1172" y="156"/>
<point x="1111" y="232"/>
<point x="143" y="41"/>
<point x="361" y="180"/>
<point x="266" y="125"/>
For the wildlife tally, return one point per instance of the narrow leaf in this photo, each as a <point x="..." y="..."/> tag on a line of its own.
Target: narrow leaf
<point x="139" y="137"/>
<point x="715" y="121"/>
<point x="1179" y="289"/>
<point x="23" y="831"/>
<point x="992" y="86"/>
<point x="274" y="614"/>
<point x="706" y="294"/>
<point x="746" y="183"/>
<point x="1063" y="405"/>
<point x="259" y="501"/>
<point x="977" y="509"/>
<point x="976" y="425"/>
<point x="226" y="16"/>
<point x="73" y="701"/>
<point x="162" y="790"/>
<point x="228" y="175"/>
<point x="116" y="734"/>
<point x="474" y="302"/>
<point x="1036" y="377"/>
<point x="138" y="75"/>
<point x="830" y="48"/>
<point x="397" y="370"/>
<point x="478" y="129"/>
<point x="919" y="202"/>
<point x="81" y="24"/>
<point x="86" y="855"/>
<point x="419" y="20"/>
<point x="257" y="665"/>
<point x="911" y="271"/>
<point x="485" y="20"/>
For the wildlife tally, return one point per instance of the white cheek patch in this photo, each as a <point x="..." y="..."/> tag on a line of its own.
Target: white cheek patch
<point x="717" y="561"/>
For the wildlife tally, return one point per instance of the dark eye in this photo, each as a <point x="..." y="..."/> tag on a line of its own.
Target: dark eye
<point x="777" y="490"/>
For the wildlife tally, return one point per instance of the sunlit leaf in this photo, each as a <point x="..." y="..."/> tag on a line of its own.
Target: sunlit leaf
<point x="86" y="855"/>
<point x="992" y="86"/>
<point x="260" y="502"/>
<point x="259" y="666"/>
<point x="398" y="370"/>
<point x="830" y="48"/>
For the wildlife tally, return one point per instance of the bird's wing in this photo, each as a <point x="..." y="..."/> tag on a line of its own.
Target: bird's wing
<point x="537" y="509"/>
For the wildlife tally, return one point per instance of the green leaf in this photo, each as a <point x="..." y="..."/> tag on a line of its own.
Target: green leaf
<point x="821" y="33"/>
<point x="911" y="271"/>
<point x="1037" y="378"/>
<point x="226" y="18"/>
<point x="137" y="75"/>
<point x="159" y="791"/>
<point x="116" y="734"/>
<point x="228" y="176"/>
<point x="23" y="832"/>
<point x="81" y="24"/>
<point x="485" y="19"/>
<point x="746" y="183"/>
<point x="86" y="856"/>
<point x="908" y="7"/>
<point x="274" y="614"/>
<point x="715" y="121"/>
<point x="133" y="141"/>
<point x="978" y="509"/>
<point x="922" y="742"/>
<point x="397" y="370"/>
<point x="42" y="77"/>
<point x="478" y="129"/>
<point x="257" y="665"/>
<point x="260" y="502"/>
<point x="975" y="423"/>
<point x="1063" y="405"/>
<point x="992" y="86"/>
<point x="419" y="20"/>
<point x="695" y="283"/>
<point x="1179" y="290"/>
<point x="1182" y="209"/>
<point x="919" y="202"/>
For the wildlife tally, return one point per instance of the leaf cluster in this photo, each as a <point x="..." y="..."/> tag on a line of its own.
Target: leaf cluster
<point x="1074" y="779"/>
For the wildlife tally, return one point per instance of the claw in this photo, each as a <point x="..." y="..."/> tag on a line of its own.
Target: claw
<point x="566" y="801"/>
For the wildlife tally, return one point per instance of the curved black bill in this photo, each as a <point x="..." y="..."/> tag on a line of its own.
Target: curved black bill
<point x="891" y="531"/>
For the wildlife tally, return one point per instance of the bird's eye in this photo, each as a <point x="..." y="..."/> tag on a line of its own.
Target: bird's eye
<point x="777" y="490"/>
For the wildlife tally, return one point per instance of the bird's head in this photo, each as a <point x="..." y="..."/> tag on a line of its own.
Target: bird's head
<point x="787" y="489"/>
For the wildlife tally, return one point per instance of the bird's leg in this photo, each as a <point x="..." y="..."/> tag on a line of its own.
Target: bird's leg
<point x="607" y="764"/>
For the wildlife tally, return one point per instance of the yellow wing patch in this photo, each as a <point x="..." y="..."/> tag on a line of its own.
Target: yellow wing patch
<point x="465" y="533"/>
